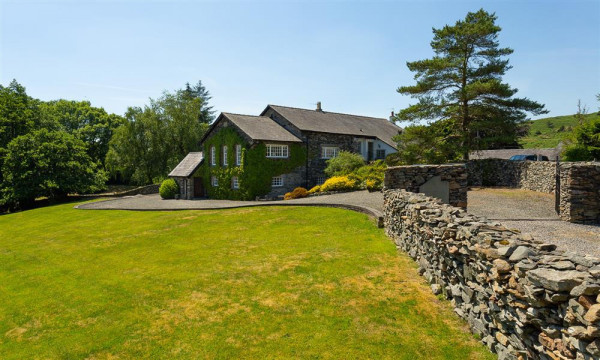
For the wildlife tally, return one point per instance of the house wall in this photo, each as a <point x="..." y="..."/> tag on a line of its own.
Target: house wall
<point x="186" y="187"/>
<point x="315" y="142"/>
<point x="377" y="145"/>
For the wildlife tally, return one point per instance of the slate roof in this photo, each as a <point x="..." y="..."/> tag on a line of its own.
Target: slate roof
<point x="551" y="153"/>
<point x="188" y="165"/>
<point x="337" y="123"/>
<point x="261" y="128"/>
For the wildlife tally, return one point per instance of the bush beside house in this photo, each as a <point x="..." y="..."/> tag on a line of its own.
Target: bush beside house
<point x="168" y="189"/>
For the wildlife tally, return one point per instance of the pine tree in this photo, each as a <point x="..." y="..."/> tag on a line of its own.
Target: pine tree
<point x="462" y="85"/>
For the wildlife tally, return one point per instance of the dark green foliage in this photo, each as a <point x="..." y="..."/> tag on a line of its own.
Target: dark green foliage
<point x="254" y="174"/>
<point x="156" y="137"/>
<point x="168" y="189"/>
<point x="48" y="164"/>
<point x="587" y="142"/>
<point x="343" y="164"/>
<point x="19" y="113"/>
<point x="462" y="85"/>
<point x="94" y="126"/>
<point x="426" y="144"/>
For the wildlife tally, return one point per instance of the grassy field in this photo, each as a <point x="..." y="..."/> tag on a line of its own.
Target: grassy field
<point x="549" y="132"/>
<point x="246" y="283"/>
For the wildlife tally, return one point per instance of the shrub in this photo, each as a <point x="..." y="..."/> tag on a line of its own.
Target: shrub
<point x="339" y="183"/>
<point x="314" y="189"/>
<point x="373" y="185"/>
<point x="168" y="189"/>
<point x="343" y="164"/>
<point x="297" y="193"/>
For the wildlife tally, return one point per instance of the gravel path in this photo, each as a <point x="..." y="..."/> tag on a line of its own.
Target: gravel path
<point x="362" y="201"/>
<point x="533" y="213"/>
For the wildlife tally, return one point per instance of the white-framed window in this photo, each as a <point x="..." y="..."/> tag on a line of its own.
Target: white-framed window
<point x="214" y="181"/>
<point x="235" y="183"/>
<point x="321" y="180"/>
<point x="329" y="152"/>
<point x="224" y="155"/>
<point x="277" y="151"/>
<point x="277" y="181"/>
<point x="238" y="155"/>
<point x="380" y="154"/>
<point x="213" y="156"/>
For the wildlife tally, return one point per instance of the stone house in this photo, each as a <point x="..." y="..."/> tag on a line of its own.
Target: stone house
<point x="247" y="157"/>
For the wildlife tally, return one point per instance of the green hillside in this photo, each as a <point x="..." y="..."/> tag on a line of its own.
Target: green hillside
<point x="549" y="132"/>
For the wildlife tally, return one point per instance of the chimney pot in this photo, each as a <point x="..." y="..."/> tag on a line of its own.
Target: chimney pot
<point x="319" y="106"/>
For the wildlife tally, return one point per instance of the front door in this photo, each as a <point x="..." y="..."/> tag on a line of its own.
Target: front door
<point x="198" y="187"/>
<point x="369" y="150"/>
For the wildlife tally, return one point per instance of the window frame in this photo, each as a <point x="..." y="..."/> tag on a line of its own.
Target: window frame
<point x="324" y="149"/>
<point x="235" y="183"/>
<point x="285" y="151"/>
<point x="377" y="151"/>
<point x="238" y="154"/>
<point x="213" y="156"/>
<point x="224" y="154"/>
<point x="214" y="181"/>
<point x="278" y="183"/>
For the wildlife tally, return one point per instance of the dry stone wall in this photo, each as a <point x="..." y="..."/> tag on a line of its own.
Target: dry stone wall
<point x="580" y="192"/>
<point x="412" y="177"/>
<point x="531" y="175"/>
<point x="524" y="298"/>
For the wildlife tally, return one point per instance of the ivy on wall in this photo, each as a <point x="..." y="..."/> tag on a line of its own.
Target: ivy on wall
<point x="256" y="170"/>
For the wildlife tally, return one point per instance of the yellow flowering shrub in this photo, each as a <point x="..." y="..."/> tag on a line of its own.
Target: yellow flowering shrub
<point x="315" y="189"/>
<point x="297" y="193"/>
<point x="339" y="183"/>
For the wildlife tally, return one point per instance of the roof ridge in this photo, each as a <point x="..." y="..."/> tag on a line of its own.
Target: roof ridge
<point x="230" y="113"/>
<point x="328" y="112"/>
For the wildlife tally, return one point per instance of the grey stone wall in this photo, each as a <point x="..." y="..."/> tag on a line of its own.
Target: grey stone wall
<point x="580" y="192"/>
<point x="530" y="175"/>
<point x="315" y="141"/>
<point x="412" y="177"/>
<point x="524" y="298"/>
<point x="186" y="187"/>
<point x="291" y="181"/>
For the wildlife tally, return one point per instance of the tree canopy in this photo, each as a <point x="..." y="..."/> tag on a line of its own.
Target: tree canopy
<point x="462" y="86"/>
<point x="46" y="163"/>
<point x="156" y="137"/>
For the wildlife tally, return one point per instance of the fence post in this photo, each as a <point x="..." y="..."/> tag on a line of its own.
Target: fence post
<point x="557" y="188"/>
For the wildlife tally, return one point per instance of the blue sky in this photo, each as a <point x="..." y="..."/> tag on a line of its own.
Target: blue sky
<point x="350" y="55"/>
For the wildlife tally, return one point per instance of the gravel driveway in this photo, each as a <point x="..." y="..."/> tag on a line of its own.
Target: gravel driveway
<point x="533" y="213"/>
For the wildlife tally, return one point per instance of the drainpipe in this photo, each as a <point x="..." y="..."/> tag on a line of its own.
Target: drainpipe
<point x="306" y="170"/>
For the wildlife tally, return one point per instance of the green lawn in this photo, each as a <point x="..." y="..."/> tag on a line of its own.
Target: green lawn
<point x="549" y="132"/>
<point x="246" y="283"/>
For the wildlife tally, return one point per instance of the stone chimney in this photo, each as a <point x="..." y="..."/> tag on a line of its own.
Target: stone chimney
<point x="392" y="117"/>
<point x="319" y="106"/>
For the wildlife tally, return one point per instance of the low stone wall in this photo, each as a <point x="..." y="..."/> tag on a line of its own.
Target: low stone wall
<point x="531" y="175"/>
<point x="525" y="299"/>
<point x="142" y="190"/>
<point x="412" y="177"/>
<point x="580" y="192"/>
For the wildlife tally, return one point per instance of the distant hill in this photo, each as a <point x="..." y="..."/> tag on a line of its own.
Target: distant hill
<point x="549" y="132"/>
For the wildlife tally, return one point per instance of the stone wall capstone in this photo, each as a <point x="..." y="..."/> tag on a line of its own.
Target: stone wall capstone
<point x="524" y="298"/>
<point x="412" y="177"/>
